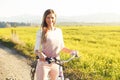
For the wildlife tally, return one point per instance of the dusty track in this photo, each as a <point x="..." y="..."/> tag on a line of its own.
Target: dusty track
<point x="12" y="65"/>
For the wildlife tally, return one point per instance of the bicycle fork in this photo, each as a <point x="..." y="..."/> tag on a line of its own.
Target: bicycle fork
<point x="61" y="76"/>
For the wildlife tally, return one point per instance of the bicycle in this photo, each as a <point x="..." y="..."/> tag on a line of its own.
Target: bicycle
<point x="53" y="60"/>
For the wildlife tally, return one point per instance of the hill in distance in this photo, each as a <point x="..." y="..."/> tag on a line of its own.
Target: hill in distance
<point x="93" y="18"/>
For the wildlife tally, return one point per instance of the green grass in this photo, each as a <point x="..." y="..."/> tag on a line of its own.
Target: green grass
<point x="98" y="46"/>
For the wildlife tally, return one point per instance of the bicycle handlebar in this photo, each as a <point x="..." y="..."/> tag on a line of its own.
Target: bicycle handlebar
<point x="61" y="62"/>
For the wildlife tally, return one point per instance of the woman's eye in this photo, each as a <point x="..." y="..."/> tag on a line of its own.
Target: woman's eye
<point x="52" y="17"/>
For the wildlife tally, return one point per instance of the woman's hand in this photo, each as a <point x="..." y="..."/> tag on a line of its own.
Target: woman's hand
<point x="40" y="54"/>
<point x="74" y="52"/>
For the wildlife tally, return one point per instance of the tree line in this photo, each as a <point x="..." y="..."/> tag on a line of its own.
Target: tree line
<point x="13" y="24"/>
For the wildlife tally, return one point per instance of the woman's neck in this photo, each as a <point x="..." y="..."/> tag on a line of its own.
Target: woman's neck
<point x="51" y="27"/>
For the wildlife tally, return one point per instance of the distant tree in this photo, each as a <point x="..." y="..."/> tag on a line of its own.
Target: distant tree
<point x="13" y="24"/>
<point x="2" y="24"/>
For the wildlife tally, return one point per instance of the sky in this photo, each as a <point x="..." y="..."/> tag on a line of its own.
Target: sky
<point x="10" y="8"/>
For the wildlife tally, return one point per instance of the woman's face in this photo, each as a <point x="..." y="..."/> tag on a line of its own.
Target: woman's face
<point x="50" y="19"/>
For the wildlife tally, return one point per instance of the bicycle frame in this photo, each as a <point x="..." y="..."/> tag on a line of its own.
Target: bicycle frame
<point x="59" y="62"/>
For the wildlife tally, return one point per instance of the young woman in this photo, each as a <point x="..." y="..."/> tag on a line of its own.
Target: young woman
<point x="49" y="43"/>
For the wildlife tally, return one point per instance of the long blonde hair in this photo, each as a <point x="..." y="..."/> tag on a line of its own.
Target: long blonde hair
<point x="44" y="24"/>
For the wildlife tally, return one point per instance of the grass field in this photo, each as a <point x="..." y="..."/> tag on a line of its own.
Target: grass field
<point x="99" y="47"/>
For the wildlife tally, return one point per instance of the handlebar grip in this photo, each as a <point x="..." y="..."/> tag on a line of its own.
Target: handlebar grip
<point x="37" y="57"/>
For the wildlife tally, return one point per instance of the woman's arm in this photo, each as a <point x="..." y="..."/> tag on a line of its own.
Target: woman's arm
<point x="40" y="54"/>
<point x="38" y="41"/>
<point x="72" y="52"/>
<point x="38" y="45"/>
<point x="67" y="50"/>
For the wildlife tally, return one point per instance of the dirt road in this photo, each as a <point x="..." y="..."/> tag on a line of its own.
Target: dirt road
<point x="12" y="65"/>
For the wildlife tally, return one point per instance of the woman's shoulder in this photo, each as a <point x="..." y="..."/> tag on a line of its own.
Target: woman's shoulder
<point x="58" y="29"/>
<point x="39" y="32"/>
